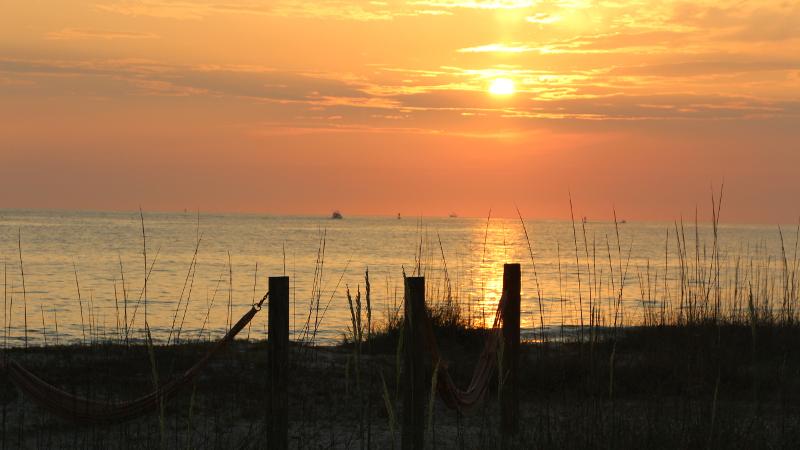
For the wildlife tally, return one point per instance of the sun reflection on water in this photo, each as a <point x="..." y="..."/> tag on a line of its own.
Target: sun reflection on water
<point x="492" y="246"/>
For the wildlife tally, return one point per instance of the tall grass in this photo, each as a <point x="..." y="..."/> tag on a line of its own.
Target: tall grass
<point x="24" y="291"/>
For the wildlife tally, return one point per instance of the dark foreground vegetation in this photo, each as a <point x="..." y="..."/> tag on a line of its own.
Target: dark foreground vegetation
<point x="690" y="386"/>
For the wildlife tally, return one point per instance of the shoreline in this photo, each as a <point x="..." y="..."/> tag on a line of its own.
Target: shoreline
<point x="623" y="392"/>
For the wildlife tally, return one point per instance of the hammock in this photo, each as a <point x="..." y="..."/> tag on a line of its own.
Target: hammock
<point x="467" y="399"/>
<point x="85" y="411"/>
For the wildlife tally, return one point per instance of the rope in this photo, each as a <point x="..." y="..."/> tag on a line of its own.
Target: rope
<point x="84" y="411"/>
<point x="467" y="399"/>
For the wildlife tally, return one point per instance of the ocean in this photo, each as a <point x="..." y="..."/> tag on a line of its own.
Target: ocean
<point x="84" y="272"/>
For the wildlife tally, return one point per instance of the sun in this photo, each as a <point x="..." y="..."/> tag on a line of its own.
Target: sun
<point x="501" y="86"/>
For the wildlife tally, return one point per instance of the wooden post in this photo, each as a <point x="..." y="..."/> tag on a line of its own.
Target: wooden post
<point x="509" y="397"/>
<point x="278" y="345"/>
<point x="413" y="431"/>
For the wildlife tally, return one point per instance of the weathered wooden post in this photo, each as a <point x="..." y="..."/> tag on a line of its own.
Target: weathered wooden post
<point x="509" y="397"/>
<point x="413" y="432"/>
<point x="278" y="345"/>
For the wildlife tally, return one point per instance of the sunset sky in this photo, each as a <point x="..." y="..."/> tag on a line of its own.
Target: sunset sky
<point x="395" y="106"/>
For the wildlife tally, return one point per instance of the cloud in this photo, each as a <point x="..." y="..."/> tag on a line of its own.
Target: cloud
<point x="582" y="100"/>
<point x="758" y="21"/>
<point x="708" y="67"/>
<point x="626" y="41"/>
<point x="122" y="77"/>
<point x="477" y="4"/>
<point x="515" y="47"/>
<point x="5" y="81"/>
<point x="617" y="42"/>
<point x="771" y="25"/>
<point x="339" y="10"/>
<point x="329" y="9"/>
<point x="72" y="34"/>
<point x="671" y="106"/>
<point x="543" y="18"/>
<point x="618" y="93"/>
<point x="161" y="9"/>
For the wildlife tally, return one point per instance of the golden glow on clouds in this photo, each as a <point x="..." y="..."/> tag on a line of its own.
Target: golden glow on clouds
<point x="396" y="67"/>
<point x="543" y="18"/>
<point x="497" y="48"/>
<point x="79" y="34"/>
<point x="478" y="4"/>
<point x="365" y="61"/>
<point x="501" y="87"/>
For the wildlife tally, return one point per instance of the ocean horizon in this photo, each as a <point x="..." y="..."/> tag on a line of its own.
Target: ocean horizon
<point x="63" y="251"/>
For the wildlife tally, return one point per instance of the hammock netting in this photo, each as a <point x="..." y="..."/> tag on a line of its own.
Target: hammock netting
<point x="84" y="411"/>
<point x="466" y="400"/>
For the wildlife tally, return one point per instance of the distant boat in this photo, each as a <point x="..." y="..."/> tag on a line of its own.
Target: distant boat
<point x="336" y="215"/>
<point x="623" y="221"/>
<point x="398" y="216"/>
<point x="453" y="215"/>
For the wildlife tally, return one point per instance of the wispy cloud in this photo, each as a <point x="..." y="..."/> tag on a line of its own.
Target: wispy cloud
<point x="477" y="4"/>
<point x="161" y="9"/>
<point x="72" y="34"/>
<point x="498" y="48"/>
<point x="328" y="9"/>
<point x="756" y="21"/>
<point x="543" y="18"/>
<point x="231" y="81"/>
<point x="703" y="67"/>
<point x="569" y="60"/>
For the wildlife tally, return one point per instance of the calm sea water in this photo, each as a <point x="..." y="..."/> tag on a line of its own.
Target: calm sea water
<point x="237" y="252"/>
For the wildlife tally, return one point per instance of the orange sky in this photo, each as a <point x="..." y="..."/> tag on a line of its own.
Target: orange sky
<point x="384" y="107"/>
